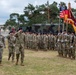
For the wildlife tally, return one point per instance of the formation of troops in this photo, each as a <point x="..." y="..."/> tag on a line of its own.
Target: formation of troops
<point x="64" y="43"/>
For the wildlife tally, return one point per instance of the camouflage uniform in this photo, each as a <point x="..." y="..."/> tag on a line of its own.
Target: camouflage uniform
<point x="45" y="42"/>
<point x="60" y="52"/>
<point x="25" y="40"/>
<point x="49" y="43"/>
<point x="65" y="45"/>
<point x="28" y="40"/>
<point x="11" y="46"/>
<point x="72" y="49"/>
<point x="74" y="43"/>
<point x="55" y="42"/>
<point x="35" y="42"/>
<point x="2" y="43"/>
<point x="41" y="42"/>
<point x="20" y="41"/>
<point x="38" y="41"/>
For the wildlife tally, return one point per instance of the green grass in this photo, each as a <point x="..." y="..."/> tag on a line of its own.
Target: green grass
<point x="39" y="63"/>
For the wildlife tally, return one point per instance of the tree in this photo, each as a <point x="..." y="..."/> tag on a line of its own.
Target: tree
<point x="22" y="19"/>
<point x="54" y="11"/>
<point x="15" y="16"/>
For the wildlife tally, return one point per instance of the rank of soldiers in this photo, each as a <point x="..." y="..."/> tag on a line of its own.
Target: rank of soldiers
<point x="64" y="43"/>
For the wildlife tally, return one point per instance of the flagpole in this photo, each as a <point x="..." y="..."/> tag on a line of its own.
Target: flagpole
<point x="67" y="27"/>
<point x="63" y="26"/>
<point x="59" y="25"/>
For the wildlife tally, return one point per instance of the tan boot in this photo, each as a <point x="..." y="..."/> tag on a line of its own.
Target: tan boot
<point x="0" y="64"/>
<point x="16" y="63"/>
<point x="22" y="64"/>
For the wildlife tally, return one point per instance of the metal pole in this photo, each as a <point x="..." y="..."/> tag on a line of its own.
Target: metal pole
<point x="63" y="26"/>
<point x="67" y="27"/>
<point x="59" y="26"/>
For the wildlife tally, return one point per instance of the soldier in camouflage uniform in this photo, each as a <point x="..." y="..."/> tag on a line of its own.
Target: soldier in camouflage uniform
<point x="74" y="43"/>
<point x="11" y="45"/>
<point x="72" y="49"/>
<point x="61" y="44"/>
<point x="49" y="43"/>
<point x="20" y="42"/>
<point x="38" y="40"/>
<point x="25" y="40"/>
<point x="41" y="41"/>
<point x="35" y="41"/>
<point x="45" y="41"/>
<point x="60" y="52"/>
<point x="2" y="43"/>
<point x="53" y="42"/>
<point x="65" y="44"/>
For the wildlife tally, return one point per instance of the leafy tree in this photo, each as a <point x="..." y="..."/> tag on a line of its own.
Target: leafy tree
<point x="15" y="16"/>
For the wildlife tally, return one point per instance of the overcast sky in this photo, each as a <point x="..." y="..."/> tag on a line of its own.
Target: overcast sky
<point x="9" y="6"/>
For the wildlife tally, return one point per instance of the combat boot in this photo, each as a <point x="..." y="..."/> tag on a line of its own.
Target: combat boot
<point x="0" y="63"/>
<point x="9" y="56"/>
<point x="22" y="64"/>
<point x="16" y="62"/>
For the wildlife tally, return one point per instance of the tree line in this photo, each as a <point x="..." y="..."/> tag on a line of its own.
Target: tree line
<point x="39" y="14"/>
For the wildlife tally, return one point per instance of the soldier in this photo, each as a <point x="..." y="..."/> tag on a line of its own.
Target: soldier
<point x="64" y="44"/>
<point x="55" y="42"/>
<point x="11" y="45"/>
<point x="49" y="43"/>
<point x="41" y="41"/>
<point x="34" y="41"/>
<point x="25" y="40"/>
<point x="74" y="42"/>
<point x="38" y="41"/>
<point x="45" y="40"/>
<point x="52" y="41"/>
<point x="2" y="43"/>
<point x="20" y="41"/>
<point x="72" y="49"/>
<point x="59" y="45"/>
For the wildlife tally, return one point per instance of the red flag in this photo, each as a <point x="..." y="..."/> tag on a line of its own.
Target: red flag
<point x="63" y="13"/>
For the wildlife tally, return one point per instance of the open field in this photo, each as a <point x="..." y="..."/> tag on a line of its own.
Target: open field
<point x="39" y="63"/>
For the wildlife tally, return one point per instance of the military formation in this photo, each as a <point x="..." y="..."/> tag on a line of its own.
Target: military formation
<point x="64" y="43"/>
<point x="39" y="41"/>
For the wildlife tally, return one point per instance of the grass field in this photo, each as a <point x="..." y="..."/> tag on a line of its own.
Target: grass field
<point x="39" y="63"/>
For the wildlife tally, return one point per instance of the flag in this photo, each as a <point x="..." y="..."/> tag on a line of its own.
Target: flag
<point x="64" y="13"/>
<point x="61" y="14"/>
<point x="70" y="21"/>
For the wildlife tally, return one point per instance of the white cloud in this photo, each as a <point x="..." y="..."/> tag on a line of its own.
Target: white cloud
<point x="9" y="6"/>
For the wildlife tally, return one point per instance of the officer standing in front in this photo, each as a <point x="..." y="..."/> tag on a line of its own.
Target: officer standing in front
<point x="20" y="42"/>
